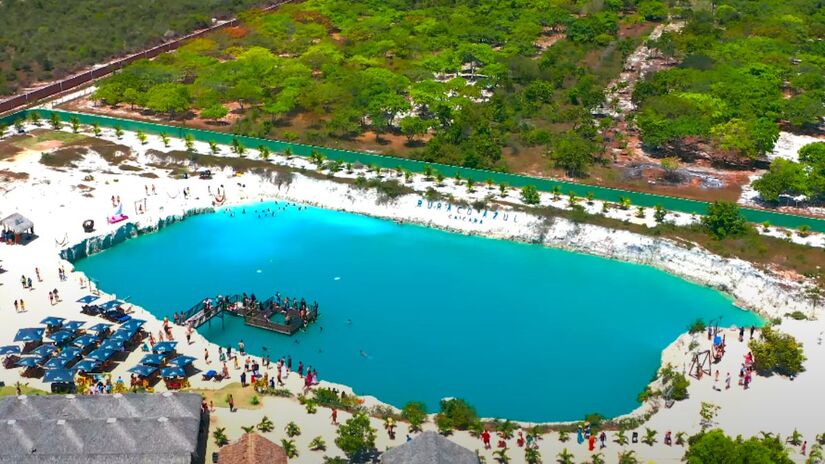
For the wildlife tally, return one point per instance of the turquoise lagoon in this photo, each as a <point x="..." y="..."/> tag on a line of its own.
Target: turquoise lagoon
<point x="410" y="313"/>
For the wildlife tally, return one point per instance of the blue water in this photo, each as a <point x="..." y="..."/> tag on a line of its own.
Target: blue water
<point x="520" y="331"/>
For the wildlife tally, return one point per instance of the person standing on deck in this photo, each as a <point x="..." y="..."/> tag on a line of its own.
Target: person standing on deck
<point x="241" y="348"/>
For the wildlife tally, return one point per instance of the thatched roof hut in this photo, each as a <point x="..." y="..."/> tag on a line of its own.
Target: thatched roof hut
<point x="252" y="449"/>
<point x="17" y="223"/>
<point x="429" y="448"/>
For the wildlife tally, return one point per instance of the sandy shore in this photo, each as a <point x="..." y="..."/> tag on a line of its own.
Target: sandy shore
<point x="59" y="200"/>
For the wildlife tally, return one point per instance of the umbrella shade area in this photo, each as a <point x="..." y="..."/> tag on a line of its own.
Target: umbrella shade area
<point x="111" y="304"/>
<point x="87" y="299"/>
<point x="101" y="354"/>
<point x="133" y="324"/>
<point x="172" y="372"/>
<point x="123" y="335"/>
<point x="164" y="347"/>
<point x="58" y="375"/>
<point x="73" y="325"/>
<point x="99" y="327"/>
<point x="29" y="361"/>
<point x="9" y="349"/>
<point x="29" y="335"/>
<point x="143" y="371"/>
<point x="61" y="336"/>
<point x="84" y="340"/>
<point x="69" y="353"/>
<point x="52" y="321"/>
<point x="56" y="363"/>
<point x="114" y="345"/>
<point x="181" y="361"/>
<point x="44" y="350"/>
<point x="154" y="359"/>
<point x="86" y="365"/>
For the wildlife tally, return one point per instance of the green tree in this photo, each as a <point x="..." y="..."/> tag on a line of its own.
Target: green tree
<point x="530" y="195"/>
<point x="652" y="10"/>
<point x="54" y="120"/>
<point x="34" y="118"/>
<point x="777" y="352"/>
<point x="214" y="112"/>
<point x="415" y="413"/>
<point x="74" y="123"/>
<point x="264" y="152"/>
<point x="219" y="435"/>
<point x="290" y="448"/>
<point x="356" y="435"/>
<point x="292" y="430"/>
<point x="171" y="98"/>
<point x="118" y="132"/>
<point x="318" y="444"/>
<point x="457" y="413"/>
<point x="413" y="127"/>
<point x="749" y="138"/>
<point x="532" y="455"/>
<point x="265" y="425"/>
<point x="715" y="446"/>
<point x="141" y="136"/>
<point x="19" y="125"/>
<point x="723" y="219"/>
<point x="213" y="147"/>
<point x="659" y="214"/>
<point x="96" y="130"/>
<point x="165" y="139"/>
<point x="189" y="142"/>
<point x="564" y="457"/>
<point x="783" y="178"/>
<point x="573" y="153"/>
<point x="805" y="110"/>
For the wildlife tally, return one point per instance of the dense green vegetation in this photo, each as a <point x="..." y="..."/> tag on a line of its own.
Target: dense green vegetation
<point x="775" y="352"/>
<point x="465" y="82"/>
<point x="723" y="220"/>
<point x="785" y="177"/>
<point x="46" y="39"/>
<point x="746" y="67"/>
<point x="716" y="447"/>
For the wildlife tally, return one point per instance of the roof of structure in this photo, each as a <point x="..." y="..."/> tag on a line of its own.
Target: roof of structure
<point x="17" y="223"/>
<point x="252" y="449"/>
<point x="429" y="448"/>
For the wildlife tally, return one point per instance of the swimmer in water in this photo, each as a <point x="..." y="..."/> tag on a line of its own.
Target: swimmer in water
<point x="349" y="321"/>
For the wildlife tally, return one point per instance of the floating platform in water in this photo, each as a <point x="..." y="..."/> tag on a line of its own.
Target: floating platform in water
<point x="255" y="313"/>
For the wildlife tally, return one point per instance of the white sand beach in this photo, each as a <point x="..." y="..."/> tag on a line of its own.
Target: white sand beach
<point x="58" y="200"/>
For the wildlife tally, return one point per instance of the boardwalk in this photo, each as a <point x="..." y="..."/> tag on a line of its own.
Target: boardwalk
<point x="255" y="313"/>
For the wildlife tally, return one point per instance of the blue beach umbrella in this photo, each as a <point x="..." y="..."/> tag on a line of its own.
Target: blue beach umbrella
<point x="61" y="336"/>
<point x="84" y="340"/>
<point x="87" y="299"/>
<point x="133" y="324"/>
<point x="9" y="349"/>
<point x="58" y="375"/>
<point x="86" y="365"/>
<point x="56" y="363"/>
<point x="164" y="347"/>
<point x="181" y="361"/>
<point x="99" y="327"/>
<point x="69" y="353"/>
<point x="52" y="321"/>
<point x="172" y="372"/>
<point x="111" y="304"/>
<point x="143" y="371"/>
<point x="115" y="345"/>
<point x="101" y="354"/>
<point x="44" y="350"/>
<point x="153" y="359"/>
<point x="123" y="335"/>
<point x="73" y="325"/>
<point x="29" y="335"/>
<point x="29" y="361"/>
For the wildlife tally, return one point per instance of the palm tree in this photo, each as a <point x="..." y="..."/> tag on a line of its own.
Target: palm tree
<point x="589" y="197"/>
<point x="564" y="435"/>
<point x="292" y="430"/>
<point x="119" y="132"/>
<point x="287" y="152"/>
<point x="3" y="128"/>
<point x="565" y="457"/>
<point x="597" y="458"/>
<point x="54" y="120"/>
<point x="265" y="425"/>
<point x="536" y="432"/>
<point x="628" y="457"/>
<point x="241" y="150"/>
<point x="503" y="189"/>
<point x="189" y="141"/>
<point x="650" y="437"/>
<point x="457" y="178"/>
<point x="96" y="129"/>
<point x="621" y="438"/>
<point x="680" y="438"/>
<point x="35" y="118"/>
<point x="263" y="151"/>
<point x="220" y="436"/>
<point x="376" y="169"/>
<point x="572" y="199"/>
<point x="349" y="168"/>
<point x="556" y="193"/>
<point x="476" y="428"/>
<point x="501" y="456"/>
<point x="439" y="178"/>
<point x="624" y="203"/>
<point x="428" y="172"/>
<point x="506" y="429"/>
<point x="248" y="428"/>
<point x="408" y="175"/>
<point x="470" y="184"/>
<point x="289" y="448"/>
<point x="318" y="444"/>
<point x="795" y="438"/>
<point x="165" y="139"/>
<point x="18" y="124"/>
<point x="815" y="456"/>
<point x="489" y="183"/>
<point x="213" y="147"/>
<point x="532" y="456"/>
<point x="141" y="136"/>
<point x="74" y="122"/>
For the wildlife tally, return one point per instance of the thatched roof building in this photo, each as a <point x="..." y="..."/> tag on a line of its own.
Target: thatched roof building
<point x="252" y="449"/>
<point x="17" y="223"/>
<point x="166" y="428"/>
<point x="429" y="448"/>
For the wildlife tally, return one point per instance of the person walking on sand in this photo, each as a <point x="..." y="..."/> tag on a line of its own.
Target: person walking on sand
<point x="16" y="307"/>
<point x="22" y="306"/>
<point x="334" y="416"/>
<point x="727" y="381"/>
<point x="231" y="402"/>
<point x="242" y="348"/>
<point x="206" y="355"/>
<point x="189" y="336"/>
<point x="51" y="298"/>
<point x="30" y="284"/>
<point x="23" y="280"/>
<point x="602" y="439"/>
<point x="804" y="447"/>
<point x="235" y="359"/>
<point x="485" y="438"/>
<point x="37" y="273"/>
<point x="56" y="296"/>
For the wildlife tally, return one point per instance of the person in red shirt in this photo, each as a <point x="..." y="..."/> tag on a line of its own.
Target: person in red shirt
<point x="485" y="437"/>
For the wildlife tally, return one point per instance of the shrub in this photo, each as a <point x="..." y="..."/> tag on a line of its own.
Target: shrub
<point x="415" y="413"/>
<point x="356" y="435"/>
<point x="530" y="195"/>
<point x="723" y="220"/>
<point x="697" y="326"/>
<point x="798" y="315"/>
<point x="456" y="413"/>
<point x="254" y="401"/>
<point x="777" y="353"/>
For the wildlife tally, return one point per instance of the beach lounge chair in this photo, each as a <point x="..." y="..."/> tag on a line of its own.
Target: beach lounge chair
<point x="91" y="310"/>
<point x="209" y="375"/>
